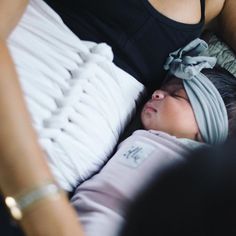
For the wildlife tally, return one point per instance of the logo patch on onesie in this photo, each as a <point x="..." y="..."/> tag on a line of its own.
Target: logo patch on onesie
<point x="134" y="155"/>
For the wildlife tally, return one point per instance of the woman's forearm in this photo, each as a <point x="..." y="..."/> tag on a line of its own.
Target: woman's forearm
<point x="52" y="218"/>
<point x="22" y="162"/>
<point x="18" y="144"/>
<point x="10" y="13"/>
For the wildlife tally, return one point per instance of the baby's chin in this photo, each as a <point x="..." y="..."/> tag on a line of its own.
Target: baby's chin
<point x="146" y="125"/>
<point x="147" y="121"/>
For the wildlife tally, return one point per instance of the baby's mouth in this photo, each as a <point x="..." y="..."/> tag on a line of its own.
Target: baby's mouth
<point x="150" y="108"/>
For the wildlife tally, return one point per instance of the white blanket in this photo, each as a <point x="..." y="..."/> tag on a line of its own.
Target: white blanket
<point x="79" y="100"/>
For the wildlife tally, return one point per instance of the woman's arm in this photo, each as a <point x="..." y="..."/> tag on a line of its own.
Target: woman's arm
<point x="227" y="23"/>
<point x="221" y="16"/>
<point x="10" y="13"/>
<point x="22" y="162"/>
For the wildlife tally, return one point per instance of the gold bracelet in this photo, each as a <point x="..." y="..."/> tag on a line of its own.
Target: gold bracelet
<point x="20" y="203"/>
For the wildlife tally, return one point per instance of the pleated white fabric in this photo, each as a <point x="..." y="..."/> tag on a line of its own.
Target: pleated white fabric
<point x="79" y="100"/>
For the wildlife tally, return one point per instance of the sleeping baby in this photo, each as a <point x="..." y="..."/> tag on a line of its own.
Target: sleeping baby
<point x="194" y="107"/>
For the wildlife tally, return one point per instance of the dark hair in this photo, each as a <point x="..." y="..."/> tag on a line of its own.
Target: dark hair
<point x="225" y="83"/>
<point x="195" y="198"/>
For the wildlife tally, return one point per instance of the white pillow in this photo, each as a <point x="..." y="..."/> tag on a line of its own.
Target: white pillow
<point x="78" y="99"/>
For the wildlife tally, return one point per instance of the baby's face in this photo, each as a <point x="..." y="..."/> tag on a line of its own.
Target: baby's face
<point x="170" y="111"/>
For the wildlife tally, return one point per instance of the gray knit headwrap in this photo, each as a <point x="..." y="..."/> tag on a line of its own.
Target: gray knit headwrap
<point x="207" y="103"/>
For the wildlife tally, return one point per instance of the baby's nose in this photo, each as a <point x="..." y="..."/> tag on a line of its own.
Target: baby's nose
<point x="158" y="95"/>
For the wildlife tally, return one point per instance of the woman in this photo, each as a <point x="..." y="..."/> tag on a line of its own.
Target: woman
<point x="36" y="173"/>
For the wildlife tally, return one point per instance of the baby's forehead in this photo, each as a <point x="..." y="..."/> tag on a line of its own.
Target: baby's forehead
<point x="172" y="82"/>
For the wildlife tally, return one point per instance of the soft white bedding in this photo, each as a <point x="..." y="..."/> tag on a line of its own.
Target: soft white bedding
<point x="79" y="100"/>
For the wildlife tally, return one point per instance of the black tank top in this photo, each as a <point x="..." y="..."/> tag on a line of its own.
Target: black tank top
<point x="140" y="36"/>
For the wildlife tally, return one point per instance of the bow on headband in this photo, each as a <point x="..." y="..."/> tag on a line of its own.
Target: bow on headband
<point x="207" y="103"/>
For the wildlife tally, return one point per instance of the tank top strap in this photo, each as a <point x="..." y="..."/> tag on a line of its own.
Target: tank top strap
<point x="203" y="7"/>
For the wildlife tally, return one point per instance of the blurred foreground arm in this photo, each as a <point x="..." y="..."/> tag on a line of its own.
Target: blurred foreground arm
<point x="10" y="13"/>
<point x="22" y="162"/>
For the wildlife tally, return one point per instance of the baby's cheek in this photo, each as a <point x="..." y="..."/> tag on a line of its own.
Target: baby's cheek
<point x="145" y="120"/>
<point x="187" y="122"/>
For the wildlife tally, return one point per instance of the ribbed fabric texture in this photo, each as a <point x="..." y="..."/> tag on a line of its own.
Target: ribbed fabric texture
<point x="78" y="99"/>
